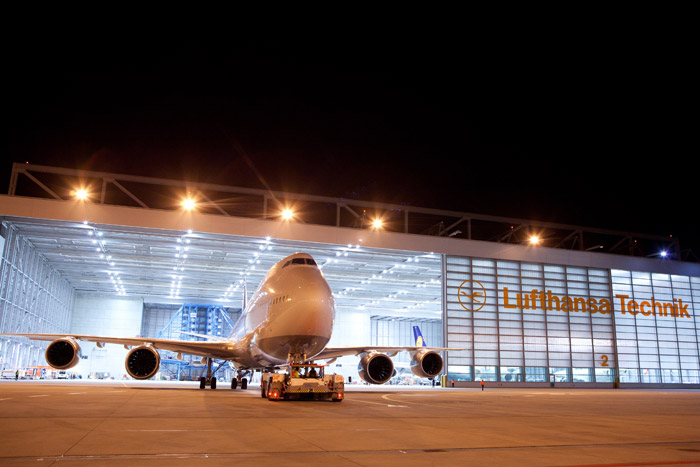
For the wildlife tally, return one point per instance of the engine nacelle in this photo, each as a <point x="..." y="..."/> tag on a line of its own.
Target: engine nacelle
<point x="375" y="368"/>
<point x="426" y="363"/>
<point x="142" y="362"/>
<point x="63" y="353"/>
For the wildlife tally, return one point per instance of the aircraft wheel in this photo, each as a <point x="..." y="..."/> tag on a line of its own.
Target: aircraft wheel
<point x="244" y="383"/>
<point x="202" y="382"/>
<point x="234" y="383"/>
<point x="213" y="383"/>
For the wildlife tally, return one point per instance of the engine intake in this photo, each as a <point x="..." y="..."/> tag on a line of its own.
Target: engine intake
<point x="63" y="353"/>
<point x="426" y="364"/>
<point x="142" y="362"/>
<point x="375" y="368"/>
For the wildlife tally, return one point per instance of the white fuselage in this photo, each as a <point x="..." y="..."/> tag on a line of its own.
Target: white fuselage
<point x="289" y="317"/>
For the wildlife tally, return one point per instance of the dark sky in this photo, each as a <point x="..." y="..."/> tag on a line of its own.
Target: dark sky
<point x="592" y="125"/>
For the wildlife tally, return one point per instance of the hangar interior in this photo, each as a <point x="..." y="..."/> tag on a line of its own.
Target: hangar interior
<point x="83" y="278"/>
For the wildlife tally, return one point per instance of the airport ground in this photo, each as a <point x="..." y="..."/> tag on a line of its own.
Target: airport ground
<point x="79" y="423"/>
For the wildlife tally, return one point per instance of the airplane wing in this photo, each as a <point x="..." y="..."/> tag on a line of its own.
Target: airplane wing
<point x="227" y="350"/>
<point x="335" y="352"/>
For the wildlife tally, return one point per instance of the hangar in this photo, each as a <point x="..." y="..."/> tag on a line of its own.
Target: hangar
<point x="131" y="259"/>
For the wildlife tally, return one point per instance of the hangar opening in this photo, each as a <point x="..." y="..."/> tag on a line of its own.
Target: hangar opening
<point x="98" y="279"/>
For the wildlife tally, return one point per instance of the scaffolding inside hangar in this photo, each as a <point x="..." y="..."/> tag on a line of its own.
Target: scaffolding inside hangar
<point x="191" y="322"/>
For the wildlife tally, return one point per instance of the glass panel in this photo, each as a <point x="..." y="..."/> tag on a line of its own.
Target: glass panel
<point x="604" y="375"/>
<point x="535" y="374"/>
<point x="650" y="375"/>
<point x="486" y="373"/>
<point x="459" y="373"/>
<point x="511" y="374"/>
<point x="561" y="375"/>
<point x="690" y="376"/>
<point x="582" y="375"/>
<point x="629" y="375"/>
<point x="671" y="376"/>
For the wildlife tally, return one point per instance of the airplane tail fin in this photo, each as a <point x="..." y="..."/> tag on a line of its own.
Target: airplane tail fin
<point x="420" y="342"/>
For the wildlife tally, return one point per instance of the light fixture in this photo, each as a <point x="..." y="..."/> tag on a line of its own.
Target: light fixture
<point x="189" y="204"/>
<point x="287" y="214"/>
<point x="81" y="194"/>
<point x="534" y="240"/>
<point x="377" y="224"/>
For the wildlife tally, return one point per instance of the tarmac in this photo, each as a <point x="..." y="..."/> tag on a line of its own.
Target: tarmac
<point x="114" y="423"/>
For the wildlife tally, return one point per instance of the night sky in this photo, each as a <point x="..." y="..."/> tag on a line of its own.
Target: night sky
<point x="587" y="126"/>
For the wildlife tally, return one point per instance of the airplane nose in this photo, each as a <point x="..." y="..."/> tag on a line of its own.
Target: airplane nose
<point x="310" y="316"/>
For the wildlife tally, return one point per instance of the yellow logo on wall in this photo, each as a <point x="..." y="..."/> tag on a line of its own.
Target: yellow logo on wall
<point x="474" y="301"/>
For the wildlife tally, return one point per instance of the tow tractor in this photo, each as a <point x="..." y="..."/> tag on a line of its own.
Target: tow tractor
<point x="302" y="381"/>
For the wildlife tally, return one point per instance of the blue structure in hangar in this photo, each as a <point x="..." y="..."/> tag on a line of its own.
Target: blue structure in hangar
<point x="210" y="320"/>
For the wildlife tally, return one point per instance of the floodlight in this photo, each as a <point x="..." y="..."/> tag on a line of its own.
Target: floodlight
<point x="287" y="214"/>
<point x="377" y="224"/>
<point x="534" y="240"/>
<point x="81" y="194"/>
<point x="189" y="204"/>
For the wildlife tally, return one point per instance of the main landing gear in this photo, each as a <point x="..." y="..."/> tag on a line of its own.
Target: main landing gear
<point x="210" y="379"/>
<point x="243" y="381"/>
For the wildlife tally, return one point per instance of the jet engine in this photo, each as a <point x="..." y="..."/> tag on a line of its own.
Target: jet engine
<point x="375" y="368"/>
<point x="142" y="362"/>
<point x="426" y="364"/>
<point x="63" y="353"/>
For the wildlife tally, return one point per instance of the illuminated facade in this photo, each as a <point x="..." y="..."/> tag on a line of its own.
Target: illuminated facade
<point x="524" y="314"/>
<point x="541" y="323"/>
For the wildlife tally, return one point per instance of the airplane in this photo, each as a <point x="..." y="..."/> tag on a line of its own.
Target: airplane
<point x="288" y="320"/>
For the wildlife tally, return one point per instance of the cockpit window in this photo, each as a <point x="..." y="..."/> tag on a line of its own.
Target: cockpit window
<point x="308" y="261"/>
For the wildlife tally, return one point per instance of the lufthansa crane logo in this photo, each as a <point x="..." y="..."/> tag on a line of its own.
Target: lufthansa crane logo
<point x="475" y="300"/>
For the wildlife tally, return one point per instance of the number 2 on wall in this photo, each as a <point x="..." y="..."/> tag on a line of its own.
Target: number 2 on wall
<point x="605" y="360"/>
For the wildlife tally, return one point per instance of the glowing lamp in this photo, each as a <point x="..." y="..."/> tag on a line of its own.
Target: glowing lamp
<point x="377" y="224"/>
<point x="287" y="214"/>
<point x="189" y="204"/>
<point x="534" y="240"/>
<point x="81" y="194"/>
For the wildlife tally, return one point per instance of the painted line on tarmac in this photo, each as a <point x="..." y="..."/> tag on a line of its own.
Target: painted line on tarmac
<point x="387" y="398"/>
<point x="378" y="403"/>
<point x="6" y="399"/>
<point x="40" y="395"/>
<point x="74" y="393"/>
